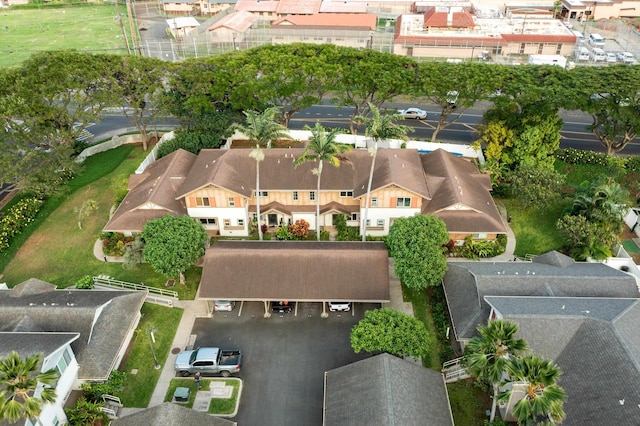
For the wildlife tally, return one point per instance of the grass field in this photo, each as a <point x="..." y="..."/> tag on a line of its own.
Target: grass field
<point x="84" y="27"/>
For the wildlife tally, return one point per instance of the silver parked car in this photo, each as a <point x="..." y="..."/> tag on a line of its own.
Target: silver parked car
<point x="417" y="113"/>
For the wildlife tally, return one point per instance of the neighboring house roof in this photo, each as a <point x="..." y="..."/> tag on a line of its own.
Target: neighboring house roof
<point x="32" y="343"/>
<point x="103" y="319"/>
<point x="328" y="21"/>
<point x="385" y="390"/>
<point x="256" y="6"/>
<point x="595" y="342"/>
<point x="171" y="414"/>
<point x="467" y="283"/>
<point x="457" y="19"/>
<point x="460" y="194"/>
<point x="296" y="270"/>
<point x="329" y="6"/>
<point x="154" y="195"/>
<point x="298" y="7"/>
<point x="237" y="21"/>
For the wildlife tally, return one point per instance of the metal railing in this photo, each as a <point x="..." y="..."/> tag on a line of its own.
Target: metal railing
<point x="108" y="281"/>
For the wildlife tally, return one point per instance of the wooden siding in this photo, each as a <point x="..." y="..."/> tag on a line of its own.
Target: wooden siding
<point x="387" y="197"/>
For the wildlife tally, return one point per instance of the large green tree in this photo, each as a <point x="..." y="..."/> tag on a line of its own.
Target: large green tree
<point x="391" y="331"/>
<point x="416" y="245"/>
<point x="262" y="128"/>
<point x="24" y="388"/>
<point x="543" y="396"/>
<point x="487" y="355"/>
<point x="322" y="147"/>
<point x="379" y="127"/>
<point x="173" y="244"/>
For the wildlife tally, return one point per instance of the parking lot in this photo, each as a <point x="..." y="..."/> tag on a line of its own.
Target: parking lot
<point x="285" y="357"/>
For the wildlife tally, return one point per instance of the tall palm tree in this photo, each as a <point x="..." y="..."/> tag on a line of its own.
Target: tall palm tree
<point x="488" y="354"/>
<point x="543" y="397"/>
<point x="379" y="128"/>
<point x="20" y="380"/>
<point x="322" y="147"/>
<point x="258" y="155"/>
<point x="261" y="129"/>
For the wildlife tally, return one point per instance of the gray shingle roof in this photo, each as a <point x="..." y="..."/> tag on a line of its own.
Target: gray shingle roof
<point x="385" y="390"/>
<point x="171" y="414"/>
<point x="102" y="318"/>
<point x="26" y="344"/>
<point x="595" y="343"/>
<point x="154" y="193"/>
<point x="296" y="270"/>
<point x="467" y="283"/>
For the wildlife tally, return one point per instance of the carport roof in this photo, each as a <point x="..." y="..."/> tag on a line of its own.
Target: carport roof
<point x="296" y="270"/>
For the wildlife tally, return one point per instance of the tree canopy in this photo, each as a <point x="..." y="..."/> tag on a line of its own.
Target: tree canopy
<point x="173" y="244"/>
<point x="391" y="331"/>
<point x="416" y="245"/>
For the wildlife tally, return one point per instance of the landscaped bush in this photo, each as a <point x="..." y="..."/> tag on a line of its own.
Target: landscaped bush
<point x="113" y="243"/>
<point x="283" y="234"/>
<point x="345" y="233"/>
<point x="86" y="413"/>
<point x="85" y="283"/>
<point x="578" y="156"/>
<point x="300" y="229"/>
<point x="16" y="219"/>
<point x="473" y="249"/>
<point x="94" y="391"/>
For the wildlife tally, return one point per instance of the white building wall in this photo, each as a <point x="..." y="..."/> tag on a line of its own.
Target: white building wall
<point x="233" y="214"/>
<point x="310" y="218"/>
<point x="386" y="214"/>
<point x="64" y="386"/>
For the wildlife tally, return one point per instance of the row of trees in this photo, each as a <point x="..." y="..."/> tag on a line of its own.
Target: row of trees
<point x="48" y="100"/>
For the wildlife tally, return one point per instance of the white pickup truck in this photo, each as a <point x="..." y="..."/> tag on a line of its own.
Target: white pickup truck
<point x="208" y="361"/>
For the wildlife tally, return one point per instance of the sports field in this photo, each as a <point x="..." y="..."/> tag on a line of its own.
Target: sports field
<point x="93" y="27"/>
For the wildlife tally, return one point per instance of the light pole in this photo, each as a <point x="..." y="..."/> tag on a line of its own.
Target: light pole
<point x="233" y="40"/>
<point x="151" y="337"/>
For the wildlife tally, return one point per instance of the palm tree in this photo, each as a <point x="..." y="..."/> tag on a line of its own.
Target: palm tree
<point x="258" y="155"/>
<point x="20" y="381"/>
<point x="543" y="397"/>
<point x="261" y="129"/>
<point x="488" y="354"/>
<point x="322" y="147"/>
<point x="379" y="128"/>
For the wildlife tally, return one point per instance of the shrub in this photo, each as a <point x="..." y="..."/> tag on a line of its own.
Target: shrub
<point x="114" y="243"/>
<point x="300" y="229"/>
<point x="324" y="235"/>
<point x="474" y="249"/>
<point x="17" y="218"/>
<point x="86" y="413"/>
<point x="84" y="283"/>
<point x="283" y="234"/>
<point x="94" y="391"/>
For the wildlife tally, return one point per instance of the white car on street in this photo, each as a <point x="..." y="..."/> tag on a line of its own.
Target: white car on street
<point x="611" y="57"/>
<point x="417" y="113"/>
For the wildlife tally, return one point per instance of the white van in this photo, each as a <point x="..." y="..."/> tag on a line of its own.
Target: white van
<point x="579" y="36"/>
<point x="596" y="40"/>
<point x="582" y="54"/>
<point x="598" y="55"/>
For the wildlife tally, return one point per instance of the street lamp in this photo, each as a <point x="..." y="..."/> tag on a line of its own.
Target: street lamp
<point x="152" y="338"/>
<point x="233" y="39"/>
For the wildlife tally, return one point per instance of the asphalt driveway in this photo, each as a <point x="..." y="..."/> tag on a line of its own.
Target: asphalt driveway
<point x="285" y="358"/>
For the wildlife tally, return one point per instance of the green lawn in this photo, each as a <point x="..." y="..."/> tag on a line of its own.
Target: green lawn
<point x="218" y="405"/>
<point x="139" y="387"/>
<point x="84" y="27"/>
<point x="469" y="403"/>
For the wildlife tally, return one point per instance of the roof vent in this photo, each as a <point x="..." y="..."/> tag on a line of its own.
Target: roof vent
<point x="624" y="268"/>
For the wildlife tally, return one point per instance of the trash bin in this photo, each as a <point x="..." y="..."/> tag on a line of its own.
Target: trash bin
<point x="181" y="395"/>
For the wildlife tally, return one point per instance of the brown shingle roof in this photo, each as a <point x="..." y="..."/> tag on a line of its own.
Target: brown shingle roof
<point x="460" y="196"/>
<point x="154" y="195"/>
<point x="296" y="271"/>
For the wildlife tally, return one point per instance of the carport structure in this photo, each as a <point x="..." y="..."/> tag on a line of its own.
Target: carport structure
<point x="295" y="271"/>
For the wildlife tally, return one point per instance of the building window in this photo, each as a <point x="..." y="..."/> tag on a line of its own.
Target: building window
<point x="380" y="222"/>
<point x="202" y="201"/>
<point x="208" y="221"/>
<point x="522" y="47"/>
<point x="312" y="195"/>
<point x="558" y="48"/>
<point x="354" y="216"/>
<point x="403" y="202"/>
<point x="540" y="48"/>
<point x="262" y="193"/>
<point x="368" y="222"/>
<point x="64" y="361"/>
<point x="294" y="195"/>
<point x="227" y="222"/>
<point x="344" y="194"/>
<point x="232" y="202"/>
<point x="55" y="421"/>
<point x="374" y="201"/>
<point x="240" y="222"/>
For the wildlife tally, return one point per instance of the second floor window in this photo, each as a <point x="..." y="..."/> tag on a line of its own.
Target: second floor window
<point x="232" y="202"/>
<point x="262" y="194"/>
<point x="312" y="195"/>
<point x="354" y="216"/>
<point x="294" y="195"/>
<point x="240" y="222"/>
<point x="202" y="201"/>
<point x="403" y="202"/>
<point x="346" y="194"/>
<point x="227" y="222"/>
<point x="374" y="201"/>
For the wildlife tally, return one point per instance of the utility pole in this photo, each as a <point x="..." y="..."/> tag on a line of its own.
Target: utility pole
<point x="124" y="33"/>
